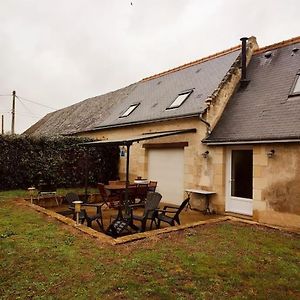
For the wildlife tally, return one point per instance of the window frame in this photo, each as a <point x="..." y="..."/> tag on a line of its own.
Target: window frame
<point x="292" y="92"/>
<point x="186" y="92"/>
<point x="124" y="115"/>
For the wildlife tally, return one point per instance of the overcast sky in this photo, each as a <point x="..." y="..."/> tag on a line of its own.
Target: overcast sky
<point x="59" y="52"/>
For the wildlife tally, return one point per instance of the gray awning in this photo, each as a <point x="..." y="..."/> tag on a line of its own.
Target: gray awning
<point x="146" y="136"/>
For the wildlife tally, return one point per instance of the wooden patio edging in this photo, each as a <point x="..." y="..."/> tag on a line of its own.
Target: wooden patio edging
<point x="142" y="235"/>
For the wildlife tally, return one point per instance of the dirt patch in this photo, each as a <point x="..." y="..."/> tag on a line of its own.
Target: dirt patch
<point x="283" y="195"/>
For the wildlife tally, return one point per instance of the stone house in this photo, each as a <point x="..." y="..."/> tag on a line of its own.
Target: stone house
<point x="236" y="127"/>
<point x="258" y="138"/>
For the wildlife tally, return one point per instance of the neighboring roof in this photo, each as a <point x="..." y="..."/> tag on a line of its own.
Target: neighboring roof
<point x="155" y="94"/>
<point x="82" y="116"/>
<point x="136" y="139"/>
<point x="263" y="111"/>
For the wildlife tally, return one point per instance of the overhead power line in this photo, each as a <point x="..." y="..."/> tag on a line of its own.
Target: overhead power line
<point x="37" y="103"/>
<point x="26" y="107"/>
<point x="28" y="115"/>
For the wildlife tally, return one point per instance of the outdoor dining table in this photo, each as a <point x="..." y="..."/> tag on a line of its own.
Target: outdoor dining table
<point x="118" y="187"/>
<point x="121" y="222"/>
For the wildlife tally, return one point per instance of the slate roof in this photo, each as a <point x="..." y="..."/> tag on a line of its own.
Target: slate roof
<point x="264" y="111"/>
<point x="154" y="94"/>
<point x="157" y="93"/>
<point x="82" y="116"/>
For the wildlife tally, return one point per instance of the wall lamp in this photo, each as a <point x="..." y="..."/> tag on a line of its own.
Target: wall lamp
<point x="205" y="154"/>
<point x="122" y="151"/>
<point x="271" y="153"/>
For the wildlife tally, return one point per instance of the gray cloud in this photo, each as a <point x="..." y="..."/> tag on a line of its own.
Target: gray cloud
<point x="60" y="52"/>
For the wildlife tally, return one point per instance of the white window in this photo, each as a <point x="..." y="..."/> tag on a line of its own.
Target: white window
<point x="180" y="99"/>
<point x="129" y="110"/>
<point x="296" y="88"/>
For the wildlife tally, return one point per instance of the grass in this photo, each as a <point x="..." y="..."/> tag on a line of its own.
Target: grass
<point x="24" y="193"/>
<point x="41" y="259"/>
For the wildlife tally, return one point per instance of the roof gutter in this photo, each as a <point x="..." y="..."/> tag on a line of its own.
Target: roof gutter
<point x="250" y="142"/>
<point x="192" y="115"/>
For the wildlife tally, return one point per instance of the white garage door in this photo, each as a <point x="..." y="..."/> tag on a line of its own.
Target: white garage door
<point x="166" y="167"/>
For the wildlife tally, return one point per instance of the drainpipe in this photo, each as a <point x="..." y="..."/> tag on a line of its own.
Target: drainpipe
<point x="127" y="209"/>
<point x="206" y="123"/>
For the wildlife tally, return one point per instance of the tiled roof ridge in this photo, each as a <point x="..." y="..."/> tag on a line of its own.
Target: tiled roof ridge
<point x="192" y="63"/>
<point x="278" y="45"/>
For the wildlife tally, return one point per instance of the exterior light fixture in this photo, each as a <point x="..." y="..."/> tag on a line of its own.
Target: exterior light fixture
<point x="77" y="205"/>
<point x="271" y="153"/>
<point x="205" y="154"/>
<point x="123" y="151"/>
<point x="31" y="192"/>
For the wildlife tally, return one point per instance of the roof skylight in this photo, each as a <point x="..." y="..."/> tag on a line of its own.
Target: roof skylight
<point x="180" y="99"/>
<point x="129" y="110"/>
<point x="296" y="86"/>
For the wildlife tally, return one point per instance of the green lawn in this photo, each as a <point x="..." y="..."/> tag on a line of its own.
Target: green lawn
<point x="42" y="259"/>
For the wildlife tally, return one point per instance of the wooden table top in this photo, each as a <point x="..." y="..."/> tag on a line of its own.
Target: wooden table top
<point x="116" y="187"/>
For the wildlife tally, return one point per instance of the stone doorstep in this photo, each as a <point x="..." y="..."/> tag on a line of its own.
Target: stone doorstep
<point x="143" y="235"/>
<point x="238" y="216"/>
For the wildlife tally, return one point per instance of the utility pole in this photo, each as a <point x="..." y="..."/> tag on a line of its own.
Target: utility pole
<point x="13" y="112"/>
<point x="2" y="124"/>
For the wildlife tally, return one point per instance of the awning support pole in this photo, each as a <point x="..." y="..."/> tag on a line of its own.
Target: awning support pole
<point x="86" y="175"/>
<point x="127" y="210"/>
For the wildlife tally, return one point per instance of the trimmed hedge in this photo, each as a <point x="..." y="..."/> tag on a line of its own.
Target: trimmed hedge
<point x="24" y="161"/>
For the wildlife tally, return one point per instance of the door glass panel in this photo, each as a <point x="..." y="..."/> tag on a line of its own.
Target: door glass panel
<point x="241" y="173"/>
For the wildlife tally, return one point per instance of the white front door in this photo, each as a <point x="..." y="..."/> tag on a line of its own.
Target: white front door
<point x="166" y="166"/>
<point x="239" y="181"/>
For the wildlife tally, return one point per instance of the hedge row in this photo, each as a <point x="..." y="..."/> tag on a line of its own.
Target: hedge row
<point x="25" y="161"/>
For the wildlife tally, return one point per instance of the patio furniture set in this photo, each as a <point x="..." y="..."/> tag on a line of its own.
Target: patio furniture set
<point x="139" y="196"/>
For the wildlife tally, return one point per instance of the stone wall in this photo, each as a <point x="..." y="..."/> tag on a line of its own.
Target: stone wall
<point x="277" y="184"/>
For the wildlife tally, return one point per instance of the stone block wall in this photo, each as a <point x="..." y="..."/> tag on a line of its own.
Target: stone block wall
<point x="277" y="184"/>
